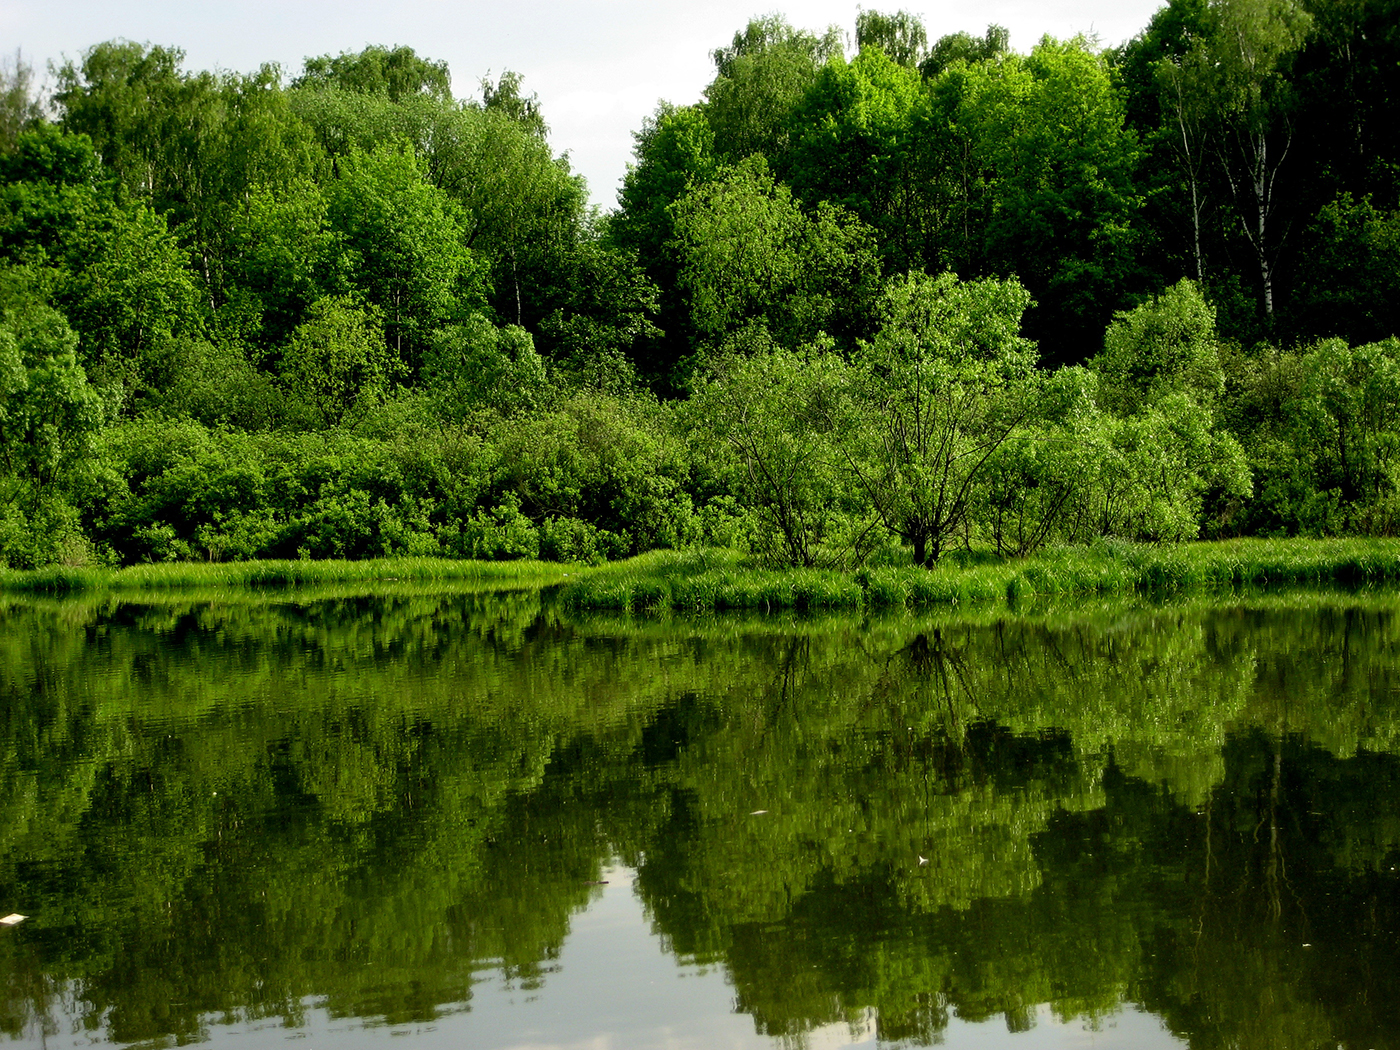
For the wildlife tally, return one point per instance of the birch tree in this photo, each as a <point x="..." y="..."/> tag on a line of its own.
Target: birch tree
<point x="1250" y="47"/>
<point x="1185" y="84"/>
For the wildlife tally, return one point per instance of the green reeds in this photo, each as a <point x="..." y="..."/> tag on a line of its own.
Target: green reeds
<point x="719" y="580"/>
<point x="283" y="574"/>
<point x="710" y="581"/>
<point x="707" y="580"/>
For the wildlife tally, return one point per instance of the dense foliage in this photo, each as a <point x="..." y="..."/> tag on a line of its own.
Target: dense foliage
<point x="851" y="308"/>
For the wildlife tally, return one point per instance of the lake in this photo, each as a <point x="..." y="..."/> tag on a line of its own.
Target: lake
<point x="435" y="817"/>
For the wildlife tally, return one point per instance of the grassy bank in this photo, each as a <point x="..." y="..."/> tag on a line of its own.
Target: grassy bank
<point x="285" y="574"/>
<point x="703" y="580"/>
<point x="719" y="580"/>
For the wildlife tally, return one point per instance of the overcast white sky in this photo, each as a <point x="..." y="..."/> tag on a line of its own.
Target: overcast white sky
<point x="598" y="66"/>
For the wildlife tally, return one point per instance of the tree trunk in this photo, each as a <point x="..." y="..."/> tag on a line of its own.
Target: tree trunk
<point x="1261" y="197"/>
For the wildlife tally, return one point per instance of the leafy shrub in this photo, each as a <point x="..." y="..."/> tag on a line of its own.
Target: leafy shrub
<point x="569" y="539"/>
<point x="501" y="534"/>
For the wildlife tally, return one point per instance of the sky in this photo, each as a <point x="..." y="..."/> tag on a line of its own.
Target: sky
<point x="599" y="67"/>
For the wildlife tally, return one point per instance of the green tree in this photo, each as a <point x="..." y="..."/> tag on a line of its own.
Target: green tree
<point x="1045" y="166"/>
<point x="1185" y="84"/>
<point x="1066" y="203"/>
<point x="1346" y="435"/>
<point x="901" y="36"/>
<point x="504" y="97"/>
<point x="337" y="362"/>
<point x="1159" y="348"/>
<point x="377" y="70"/>
<point x="120" y="276"/>
<point x="952" y="174"/>
<point x="1159" y="468"/>
<point x="51" y="190"/>
<point x="259" y="149"/>
<point x="1168" y="90"/>
<point x="405" y="247"/>
<point x="613" y="464"/>
<point x="945" y="381"/>
<point x="280" y="254"/>
<point x="764" y="413"/>
<point x="608" y="319"/>
<point x="1039" y="482"/>
<point x="19" y="105"/>
<point x="674" y="149"/>
<point x="523" y="212"/>
<point x="964" y="47"/>
<point x="193" y="147"/>
<point x="216" y="383"/>
<point x="523" y="209"/>
<point x="1251" y="45"/>
<point x="49" y="419"/>
<point x="749" y="253"/>
<point x="128" y="292"/>
<point x="118" y="96"/>
<point x="1161" y="377"/>
<point x="1344" y="90"/>
<point x="760" y="78"/>
<point x="1351" y="267"/>
<point x="50" y="412"/>
<point x="475" y="365"/>
<point x="863" y="139"/>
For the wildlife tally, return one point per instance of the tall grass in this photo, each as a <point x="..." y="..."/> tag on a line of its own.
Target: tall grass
<point x="706" y="581"/>
<point x="719" y="580"/>
<point x="283" y="574"/>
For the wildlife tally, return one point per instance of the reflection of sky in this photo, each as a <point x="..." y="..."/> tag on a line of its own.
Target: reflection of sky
<point x="599" y="66"/>
<point x="613" y="988"/>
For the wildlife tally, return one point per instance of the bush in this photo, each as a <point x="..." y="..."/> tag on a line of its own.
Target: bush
<point x="569" y="539"/>
<point x="51" y="534"/>
<point x="501" y="534"/>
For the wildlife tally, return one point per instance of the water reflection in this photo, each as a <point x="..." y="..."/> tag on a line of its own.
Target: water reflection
<point x="230" y="816"/>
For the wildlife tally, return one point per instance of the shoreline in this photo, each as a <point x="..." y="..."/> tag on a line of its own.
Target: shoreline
<point x="720" y="580"/>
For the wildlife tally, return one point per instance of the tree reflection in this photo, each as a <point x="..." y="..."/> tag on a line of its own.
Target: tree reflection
<point x="217" y="809"/>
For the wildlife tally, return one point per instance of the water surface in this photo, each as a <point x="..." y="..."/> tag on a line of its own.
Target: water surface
<point x="464" y="819"/>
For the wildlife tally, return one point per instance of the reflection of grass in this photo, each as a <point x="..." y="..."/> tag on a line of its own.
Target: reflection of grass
<point x="897" y="625"/>
<point x="703" y="580"/>
<point x="285" y="573"/>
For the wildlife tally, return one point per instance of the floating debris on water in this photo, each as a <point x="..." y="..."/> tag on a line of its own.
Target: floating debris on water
<point x="13" y="919"/>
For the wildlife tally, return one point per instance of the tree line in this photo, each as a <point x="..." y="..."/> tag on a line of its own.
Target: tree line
<point x="870" y="299"/>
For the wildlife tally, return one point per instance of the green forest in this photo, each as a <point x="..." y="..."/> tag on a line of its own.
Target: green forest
<point x="875" y="297"/>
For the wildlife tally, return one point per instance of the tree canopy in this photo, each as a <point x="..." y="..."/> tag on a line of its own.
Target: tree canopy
<point x="394" y="306"/>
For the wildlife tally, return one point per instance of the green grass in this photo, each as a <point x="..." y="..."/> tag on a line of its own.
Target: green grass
<point x="707" y="580"/>
<point x="719" y="581"/>
<point x="711" y="581"/>
<point x="283" y="574"/>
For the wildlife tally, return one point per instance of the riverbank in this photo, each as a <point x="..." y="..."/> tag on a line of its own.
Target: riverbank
<point x="716" y="580"/>
<point x="719" y="580"/>
<point x="170" y="575"/>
